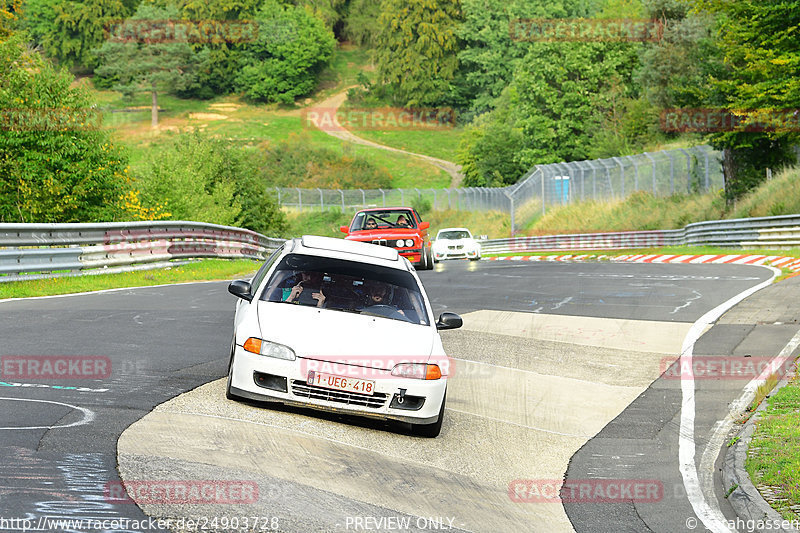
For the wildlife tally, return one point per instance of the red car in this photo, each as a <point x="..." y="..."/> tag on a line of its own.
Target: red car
<point x="397" y="227"/>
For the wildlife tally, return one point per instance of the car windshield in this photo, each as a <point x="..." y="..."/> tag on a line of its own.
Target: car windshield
<point x="390" y="218"/>
<point x="347" y="286"/>
<point x="452" y="235"/>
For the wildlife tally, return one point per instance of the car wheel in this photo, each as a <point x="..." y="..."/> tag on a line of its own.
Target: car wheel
<point x="228" y="394"/>
<point x="423" y="261"/>
<point x="431" y="430"/>
<point x="428" y="259"/>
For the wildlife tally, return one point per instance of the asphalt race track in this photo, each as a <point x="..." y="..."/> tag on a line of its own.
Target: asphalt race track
<point x="558" y="373"/>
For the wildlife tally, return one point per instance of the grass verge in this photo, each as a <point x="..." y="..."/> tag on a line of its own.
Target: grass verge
<point x="773" y="457"/>
<point x="205" y="270"/>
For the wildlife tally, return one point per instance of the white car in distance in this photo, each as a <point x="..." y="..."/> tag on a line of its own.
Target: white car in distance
<point x="341" y="326"/>
<point x="455" y="243"/>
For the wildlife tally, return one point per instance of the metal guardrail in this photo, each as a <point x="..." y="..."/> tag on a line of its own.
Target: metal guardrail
<point x="82" y="248"/>
<point x="763" y="232"/>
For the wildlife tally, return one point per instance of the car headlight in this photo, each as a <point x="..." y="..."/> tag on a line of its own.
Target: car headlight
<point x="400" y="243"/>
<point x="269" y="349"/>
<point x="417" y="371"/>
<point x="409" y="243"/>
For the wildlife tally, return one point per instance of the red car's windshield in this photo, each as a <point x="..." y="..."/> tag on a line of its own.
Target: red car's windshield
<point x="394" y="218"/>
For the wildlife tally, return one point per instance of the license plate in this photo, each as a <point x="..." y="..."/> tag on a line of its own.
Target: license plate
<point x="331" y="381"/>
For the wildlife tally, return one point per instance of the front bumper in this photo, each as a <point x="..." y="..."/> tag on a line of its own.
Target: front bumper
<point x="268" y="379"/>
<point x="455" y="254"/>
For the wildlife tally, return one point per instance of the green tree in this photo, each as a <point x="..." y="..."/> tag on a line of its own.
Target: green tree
<point x="9" y="17"/>
<point x="361" y="22"/>
<point x="490" y="147"/>
<point x="221" y="59"/>
<point x="283" y="62"/>
<point x="416" y="49"/>
<point x="70" y="31"/>
<point x="488" y="53"/>
<point x="56" y="164"/>
<point x="195" y="177"/>
<point x="761" y="78"/>
<point x="143" y="56"/>
<point x="562" y="91"/>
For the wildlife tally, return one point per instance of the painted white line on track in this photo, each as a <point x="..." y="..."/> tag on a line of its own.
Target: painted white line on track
<point x="737" y="409"/>
<point x="702" y="497"/>
<point x="88" y="415"/>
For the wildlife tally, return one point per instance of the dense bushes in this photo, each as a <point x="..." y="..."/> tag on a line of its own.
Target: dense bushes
<point x="56" y="164"/>
<point x="297" y="163"/>
<point x="195" y="177"/>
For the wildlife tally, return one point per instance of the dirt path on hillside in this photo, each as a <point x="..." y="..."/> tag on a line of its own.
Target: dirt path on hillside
<point x="335" y="101"/>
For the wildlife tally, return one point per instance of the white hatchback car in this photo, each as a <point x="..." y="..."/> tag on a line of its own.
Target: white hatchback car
<point x="340" y="326"/>
<point x="455" y="243"/>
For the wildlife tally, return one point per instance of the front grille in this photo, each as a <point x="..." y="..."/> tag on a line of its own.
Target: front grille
<point x="458" y="247"/>
<point x="301" y="388"/>
<point x="380" y="242"/>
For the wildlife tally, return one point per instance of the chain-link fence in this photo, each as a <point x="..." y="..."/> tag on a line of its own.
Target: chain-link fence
<point x="683" y="170"/>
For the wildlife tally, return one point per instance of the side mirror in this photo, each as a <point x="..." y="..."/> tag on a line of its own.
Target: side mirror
<point x="424" y="225"/>
<point x="241" y="289"/>
<point x="449" y="321"/>
<point x="344" y="229"/>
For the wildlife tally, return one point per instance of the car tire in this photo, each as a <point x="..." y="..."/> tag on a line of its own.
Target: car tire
<point x="228" y="394"/>
<point x="428" y="258"/>
<point x="431" y="430"/>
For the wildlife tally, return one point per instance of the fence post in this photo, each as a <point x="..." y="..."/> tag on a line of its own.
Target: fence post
<point x="544" y="208"/>
<point x="363" y="198"/>
<point x="635" y="173"/>
<point x="594" y="179"/>
<point x="671" y="171"/>
<point x="688" y="170"/>
<point x="653" y="162"/>
<point x="278" y="189"/>
<point x="299" y="198"/>
<point x="621" y="176"/>
<point x="383" y="194"/>
<point x="321" y="200"/>
<point x="511" y="209"/>
<point x="402" y="197"/>
<point x="342" y="193"/>
<point x="434" y="198"/>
